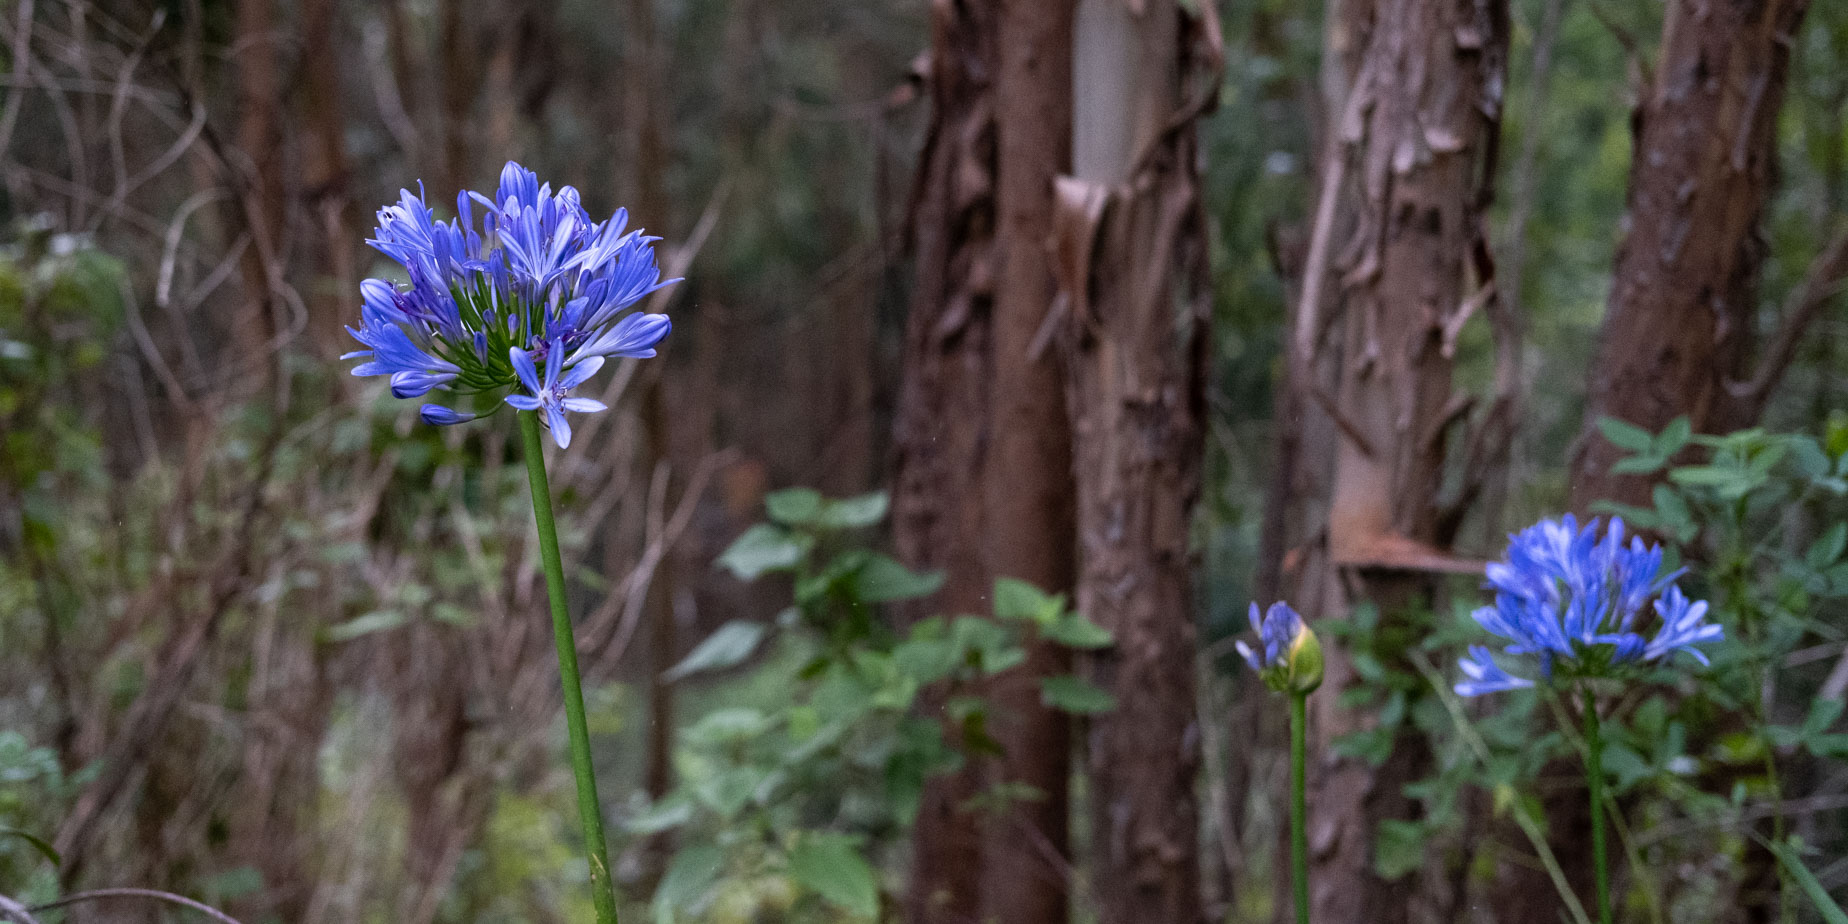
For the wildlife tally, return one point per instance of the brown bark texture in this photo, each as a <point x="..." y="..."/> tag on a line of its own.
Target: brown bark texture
<point x="942" y="405"/>
<point x="1028" y="472"/>
<point x="325" y="178"/>
<point x="1131" y="243"/>
<point x="1399" y="247"/>
<point x="1677" y="335"/>
<point x="258" y="180"/>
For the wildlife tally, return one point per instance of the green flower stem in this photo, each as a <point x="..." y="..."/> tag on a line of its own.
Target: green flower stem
<point x="590" y="813"/>
<point x="1299" y="809"/>
<point x="1594" y="780"/>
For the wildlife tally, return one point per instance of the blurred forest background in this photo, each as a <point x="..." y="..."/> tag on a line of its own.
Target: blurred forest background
<point x="1163" y="306"/>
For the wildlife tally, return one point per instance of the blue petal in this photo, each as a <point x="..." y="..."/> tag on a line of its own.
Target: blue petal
<point x="580" y="372"/>
<point x="1485" y="676"/>
<point x="523" y="367"/>
<point x="441" y="416"/>
<point x="561" y="428"/>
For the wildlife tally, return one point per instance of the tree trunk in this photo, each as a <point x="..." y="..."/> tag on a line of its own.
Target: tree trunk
<point x="325" y="177"/>
<point x="1677" y="336"/>
<point x="942" y="404"/>
<point x="1028" y="478"/>
<point x="1132" y="264"/>
<point x="259" y="186"/>
<point x="1409" y="158"/>
<point x="1679" y="328"/>
<point x="641" y="178"/>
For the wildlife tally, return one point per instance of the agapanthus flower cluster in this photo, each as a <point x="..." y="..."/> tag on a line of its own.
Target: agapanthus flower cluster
<point x="1573" y="602"/>
<point x="1291" y="659"/>
<point x="527" y="304"/>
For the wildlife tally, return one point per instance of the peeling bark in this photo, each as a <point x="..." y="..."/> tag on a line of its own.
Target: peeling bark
<point x="1132" y="261"/>
<point x="937" y="515"/>
<point x="1399" y="246"/>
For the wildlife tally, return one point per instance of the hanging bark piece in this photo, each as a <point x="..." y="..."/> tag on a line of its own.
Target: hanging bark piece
<point x="1399" y="249"/>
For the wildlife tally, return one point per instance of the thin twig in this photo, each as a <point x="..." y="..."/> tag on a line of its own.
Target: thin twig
<point x="157" y="895"/>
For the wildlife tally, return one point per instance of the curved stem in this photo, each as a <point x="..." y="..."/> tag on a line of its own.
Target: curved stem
<point x="1299" y="809"/>
<point x="590" y="813"/>
<point x="1594" y="780"/>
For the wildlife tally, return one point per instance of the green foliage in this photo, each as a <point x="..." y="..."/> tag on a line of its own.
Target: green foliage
<point x="33" y="790"/>
<point x="1812" y="887"/>
<point x="1760" y="522"/>
<point x="823" y="772"/>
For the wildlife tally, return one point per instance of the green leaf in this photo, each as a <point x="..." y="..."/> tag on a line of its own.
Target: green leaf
<point x="1399" y="848"/>
<point x="831" y="867"/>
<point x="1673" y="437"/>
<point x="1833" y="746"/>
<point x="1633" y="515"/>
<point x="1822" y="714"/>
<point x="1626" y="436"/>
<point x="375" y="621"/>
<point x="926" y="660"/>
<point x="689" y="877"/>
<point x="728" y="791"/>
<point x="1637" y="465"/>
<point x="854" y="512"/>
<point x="1827" y="548"/>
<point x="726" y="647"/>
<point x="38" y="843"/>
<point x="763" y="548"/>
<point x="794" y="506"/>
<point x="1075" y="695"/>
<point x="1016" y="599"/>
<point x="727" y="726"/>
<point x="1809" y="457"/>
<point x="1673" y="510"/>
<point x="1818" y="896"/>
<point x="1073" y="630"/>
<point x="665" y="815"/>
<point x="1710" y="476"/>
<point x="883" y="579"/>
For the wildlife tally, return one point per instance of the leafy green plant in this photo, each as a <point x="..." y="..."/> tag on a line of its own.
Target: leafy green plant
<point x="788" y="803"/>
<point x="1762" y="521"/>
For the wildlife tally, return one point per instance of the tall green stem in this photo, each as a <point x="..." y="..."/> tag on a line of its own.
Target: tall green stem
<point x="590" y="813"/>
<point x="1299" y="808"/>
<point x="1594" y="780"/>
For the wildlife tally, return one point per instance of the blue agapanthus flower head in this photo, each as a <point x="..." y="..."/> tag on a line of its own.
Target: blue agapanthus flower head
<point x="1291" y="657"/>
<point x="526" y="303"/>
<point x="1575" y="602"/>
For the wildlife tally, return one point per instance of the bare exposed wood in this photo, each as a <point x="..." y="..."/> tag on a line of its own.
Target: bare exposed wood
<point x="1133" y="240"/>
<point x="1407" y="178"/>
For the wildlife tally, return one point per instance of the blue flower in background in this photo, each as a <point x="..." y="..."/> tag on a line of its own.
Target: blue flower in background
<point x="535" y="281"/>
<point x="1291" y="657"/>
<point x="1571" y="600"/>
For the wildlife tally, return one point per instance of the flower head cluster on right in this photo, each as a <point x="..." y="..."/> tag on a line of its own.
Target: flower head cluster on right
<point x="1570" y="601"/>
